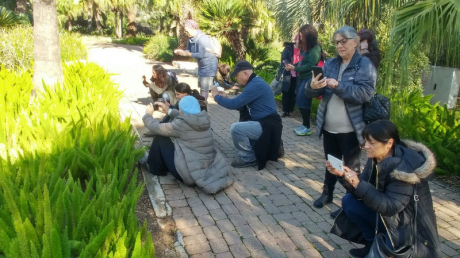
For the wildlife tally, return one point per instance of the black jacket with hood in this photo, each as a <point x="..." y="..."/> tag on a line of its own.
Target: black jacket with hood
<point x="392" y="198"/>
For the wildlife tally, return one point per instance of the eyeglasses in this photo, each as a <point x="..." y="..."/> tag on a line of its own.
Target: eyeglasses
<point x="342" y="41"/>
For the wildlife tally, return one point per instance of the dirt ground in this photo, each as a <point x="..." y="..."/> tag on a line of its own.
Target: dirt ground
<point x="163" y="235"/>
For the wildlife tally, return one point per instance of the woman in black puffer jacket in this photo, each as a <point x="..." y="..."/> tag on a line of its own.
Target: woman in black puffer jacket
<point x="386" y="189"/>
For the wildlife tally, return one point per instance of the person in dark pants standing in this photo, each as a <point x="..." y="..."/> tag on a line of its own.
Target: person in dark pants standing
<point x="310" y="55"/>
<point x="349" y="82"/>
<point x="289" y="55"/>
<point x="196" y="48"/>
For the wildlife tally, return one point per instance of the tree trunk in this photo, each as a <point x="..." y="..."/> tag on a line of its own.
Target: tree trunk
<point x="97" y="18"/>
<point x="69" y="24"/>
<point x="47" y="52"/>
<point x="186" y="13"/>
<point x="174" y="28"/>
<point x="237" y="42"/>
<point x="162" y="24"/>
<point x="120" y="27"/>
<point x="21" y="6"/>
<point x="244" y="32"/>
<point x="89" y="12"/>
<point x="131" y="30"/>
<point x="116" y="15"/>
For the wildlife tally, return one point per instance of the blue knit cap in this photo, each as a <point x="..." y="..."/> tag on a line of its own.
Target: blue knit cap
<point x="189" y="105"/>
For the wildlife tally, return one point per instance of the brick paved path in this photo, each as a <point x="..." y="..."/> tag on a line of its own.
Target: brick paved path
<point x="266" y="213"/>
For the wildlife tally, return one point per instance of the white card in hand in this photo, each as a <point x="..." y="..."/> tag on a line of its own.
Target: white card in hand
<point x="335" y="162"/>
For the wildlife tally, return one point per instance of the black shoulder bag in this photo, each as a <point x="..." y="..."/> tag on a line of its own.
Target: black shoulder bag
<point x="377" y="109"/>
<point x="380" y="249"/>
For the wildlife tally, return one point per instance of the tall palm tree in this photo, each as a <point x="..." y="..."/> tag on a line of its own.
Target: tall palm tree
<point x="186" y="12"/>
<point x="227" y="18"/>
<point x="68" y="11"/>
<point x="47" y="52"/>
<point x="179" y="11"/>
<point x="131" y="29"/>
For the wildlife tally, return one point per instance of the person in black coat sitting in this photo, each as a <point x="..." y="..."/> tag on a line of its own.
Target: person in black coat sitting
<point x="385" y="193"/>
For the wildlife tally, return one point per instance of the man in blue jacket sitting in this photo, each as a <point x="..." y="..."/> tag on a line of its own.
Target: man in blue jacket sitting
<point x="258" y="139"/>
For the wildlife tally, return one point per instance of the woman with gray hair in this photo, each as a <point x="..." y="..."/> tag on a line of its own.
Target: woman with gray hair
<point x="347" y="82"/>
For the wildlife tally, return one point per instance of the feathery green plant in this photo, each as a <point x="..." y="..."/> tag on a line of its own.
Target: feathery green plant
<point x="17" y="47"/>
<point x="67" y="183"/>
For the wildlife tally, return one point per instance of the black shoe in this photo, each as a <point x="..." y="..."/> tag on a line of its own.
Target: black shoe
<point x="242" y="164"/>
<point x="360" y="252"/>
<point x="285" y="114"/>
<point x="336" y="213"/>
<point x="325" y="198"/>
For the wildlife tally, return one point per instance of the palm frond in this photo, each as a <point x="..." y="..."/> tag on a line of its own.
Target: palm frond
<point x="360" y="13"/>
<point x="9" y="18"/>
<point x="290" y="15"/>
<point x="219" y="16"/>
<point x="432" y="23"/>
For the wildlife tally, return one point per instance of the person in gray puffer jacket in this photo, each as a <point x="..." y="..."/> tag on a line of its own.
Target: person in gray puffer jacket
<point x="185" y="147"/>
<point x="349" y="82"/>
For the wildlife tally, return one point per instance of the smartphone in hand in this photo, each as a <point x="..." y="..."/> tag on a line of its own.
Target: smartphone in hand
<point x="285" y="62"/>
<point x="318" y="70"/>
<point x="335" y="162"/>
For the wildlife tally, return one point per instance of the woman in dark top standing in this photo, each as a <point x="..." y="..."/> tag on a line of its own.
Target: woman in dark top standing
<point x="368" y="47"/>
<point x="290" y="55"/>
<point x="310" y="54"/>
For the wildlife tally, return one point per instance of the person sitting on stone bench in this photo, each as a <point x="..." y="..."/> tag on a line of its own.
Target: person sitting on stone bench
<point x="185" y="147"/>
<point x="257" y="140"/>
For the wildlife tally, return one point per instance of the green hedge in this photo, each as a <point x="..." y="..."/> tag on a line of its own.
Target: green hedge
<point x="67" y="185"/>
<point x="433" y="125"/>
<point x="160" y="47"/>
<point x="138" y="40"/>
<point x="17" y="47"/>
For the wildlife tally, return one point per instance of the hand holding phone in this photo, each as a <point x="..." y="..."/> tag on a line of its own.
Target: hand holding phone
<point x="335" y="162"/>
<point x="285" y="62"/>
<point x="318" y="70"/>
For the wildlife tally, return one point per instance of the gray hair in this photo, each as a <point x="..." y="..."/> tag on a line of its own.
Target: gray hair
<point x="346" y="32"/>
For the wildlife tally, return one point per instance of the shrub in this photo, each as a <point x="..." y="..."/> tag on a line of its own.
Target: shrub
<point x="68" y="188"/>
<point x="17" y="47"/>
<point x="10" y="18"/>
<point x="132" y="41"/>
<point x="160" y="47"/>
<point x="433" y="125"/>
<point x="72" y="48"/>
<point x="228" y="56"/>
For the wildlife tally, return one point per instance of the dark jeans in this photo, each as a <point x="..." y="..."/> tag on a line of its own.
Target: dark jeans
<point x="305" y="112"/>
<point x="363" y="217"/>
<point x="161" y="157"/>
<point x="288" y="97"/>
<point x="340" y="145"/>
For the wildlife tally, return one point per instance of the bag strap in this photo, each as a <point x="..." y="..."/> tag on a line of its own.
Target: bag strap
<point x="416" y="199"/>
